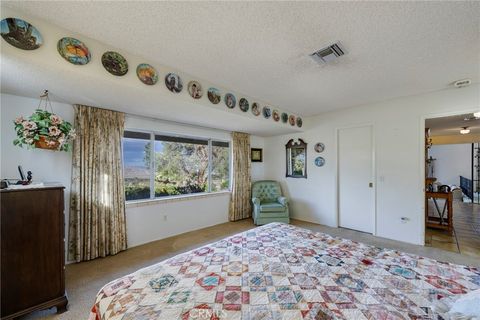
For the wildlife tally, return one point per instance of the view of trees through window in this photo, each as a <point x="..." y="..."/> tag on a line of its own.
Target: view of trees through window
<point x="179" y="165"/>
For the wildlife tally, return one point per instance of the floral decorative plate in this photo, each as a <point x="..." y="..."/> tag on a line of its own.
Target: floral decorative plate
<point x="243" y="104"/>
<point x="319" y="147"/>
<point x="214" y="95"/>
<point x="319" y="161"/>
<point x="284" y="117"/>
<point x="147" y="74"/>
<point x="114" y="63"/>
<point x="255" y="109"/>
<point x="276" y="115"/>
<point x="173" y="82"/>
<point x="267" y="112"/>
<point x="299" y="122"/>
<point x="291" y="120"/>
<point x="195" y="89"/>
<point x="74" y="51"/>
<point x="21" y="34"/>
<point x="230" y="100"/>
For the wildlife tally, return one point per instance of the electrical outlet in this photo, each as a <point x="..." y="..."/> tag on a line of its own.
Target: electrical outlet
<point x="164" y="217"/>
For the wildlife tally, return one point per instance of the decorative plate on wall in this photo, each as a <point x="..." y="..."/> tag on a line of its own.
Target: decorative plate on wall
<point x="21" y="34"/>
<point x="319" y="161"/>
<point x="214" y="95"/>
<point x="243" y="104"/>
<point x="195" y="89"/>
<point x="147" y="74"/>
<point x="267" y="113"/>
<point x="284" y="117"/>
<point x="291" y="120"/>
<point x="255" y="109"/>
<point x="319" y="147"/>
<point x="173" y="82"/>
<point x="276" y="115"/>
<point x="230" y="100"/>
<point x="114" y="63"/>
<point x="73" y="50"/>
<point x="299" y="122"/>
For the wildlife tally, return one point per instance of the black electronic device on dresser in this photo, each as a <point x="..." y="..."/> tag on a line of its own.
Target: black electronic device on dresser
<point x="32" y="244"/>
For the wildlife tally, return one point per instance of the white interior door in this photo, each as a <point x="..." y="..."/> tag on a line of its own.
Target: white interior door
<point x="356" y="192"/>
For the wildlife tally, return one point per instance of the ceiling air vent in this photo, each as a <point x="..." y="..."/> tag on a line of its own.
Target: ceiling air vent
<point x="328" y="54"/>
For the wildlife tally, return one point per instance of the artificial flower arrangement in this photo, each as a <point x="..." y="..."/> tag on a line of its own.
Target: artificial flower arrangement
<point x="44" y="130"/>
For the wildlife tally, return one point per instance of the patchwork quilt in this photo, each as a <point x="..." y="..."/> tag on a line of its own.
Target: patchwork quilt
<point x="280" y="271"/>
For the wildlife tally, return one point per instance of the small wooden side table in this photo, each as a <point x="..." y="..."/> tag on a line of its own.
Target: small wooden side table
<point x="442" y="221"/>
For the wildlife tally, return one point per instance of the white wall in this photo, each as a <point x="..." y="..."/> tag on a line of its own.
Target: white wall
<point x="398" y="126"/>
<point x="144" y="223"/>
<point x="46" y="165"/>
<point x="453" y="161"/>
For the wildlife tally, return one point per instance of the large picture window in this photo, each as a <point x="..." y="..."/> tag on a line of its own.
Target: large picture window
<point x="161" y="166"/>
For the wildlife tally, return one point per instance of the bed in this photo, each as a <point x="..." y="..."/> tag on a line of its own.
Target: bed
<point x="280" y="271"/>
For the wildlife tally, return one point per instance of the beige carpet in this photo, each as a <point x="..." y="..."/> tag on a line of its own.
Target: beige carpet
<point x="83" y="280"/>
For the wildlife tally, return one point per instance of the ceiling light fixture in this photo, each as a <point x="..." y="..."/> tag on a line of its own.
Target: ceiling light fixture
<point x="462" y="83"/>
<point x="465" y="130"/>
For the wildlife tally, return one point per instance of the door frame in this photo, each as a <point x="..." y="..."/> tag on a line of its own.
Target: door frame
<point x="374" y="171"/>
<point x="422" y="127"/>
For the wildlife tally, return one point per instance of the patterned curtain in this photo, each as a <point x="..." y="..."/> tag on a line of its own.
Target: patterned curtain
<point x="240" y="203"/>
<point x="97" y="201"/>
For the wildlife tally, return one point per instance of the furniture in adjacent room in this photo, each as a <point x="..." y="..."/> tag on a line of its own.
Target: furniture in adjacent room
<point x="442" y="217"/>
<point x="33" y="256"/>
<point x="268" y="203"/>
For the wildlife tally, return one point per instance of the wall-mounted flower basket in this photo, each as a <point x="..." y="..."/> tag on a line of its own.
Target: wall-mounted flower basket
<point x="44" y="130"/>
<point x="43" y="143"/>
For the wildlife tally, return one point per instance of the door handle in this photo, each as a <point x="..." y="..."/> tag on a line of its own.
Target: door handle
<point x="370" y="185"/>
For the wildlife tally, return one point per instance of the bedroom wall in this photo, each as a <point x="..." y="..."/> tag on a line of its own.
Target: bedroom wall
<point x="453" y="161"/>
<point x="398" y="131"/>
<point x="145" y="223"/>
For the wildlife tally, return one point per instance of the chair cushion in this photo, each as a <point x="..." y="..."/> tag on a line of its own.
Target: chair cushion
<point x="271" y="207"/>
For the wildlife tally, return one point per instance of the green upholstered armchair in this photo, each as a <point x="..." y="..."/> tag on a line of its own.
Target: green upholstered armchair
<point x="268" y="203"/>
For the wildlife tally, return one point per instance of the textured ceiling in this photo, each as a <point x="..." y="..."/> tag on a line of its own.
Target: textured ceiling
<point x="261" y="48"/>
<point x="446" y="126"/>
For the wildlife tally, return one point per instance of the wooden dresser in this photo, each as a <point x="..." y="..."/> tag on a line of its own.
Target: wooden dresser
<point x="33" y="256"/>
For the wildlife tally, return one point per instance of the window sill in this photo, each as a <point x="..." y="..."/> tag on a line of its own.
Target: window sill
<point x="151" y="202"/>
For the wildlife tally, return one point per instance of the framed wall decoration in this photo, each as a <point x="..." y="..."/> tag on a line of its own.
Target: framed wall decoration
<point x="173" y="82"/>
<point x="20" y="34"/>
<point x="299" y="122"/>
<point x="284" y="117"/>
<point x="256" y="154"/>
<point x="243" y="104"/>
<point x="276" y="115"/>
<point x="214" y="95"/>
<point x="267" y="112"/>
<point x="230" y="100"/>
<point x="195" y="89"/>
<point x="291" y="120"/>
<point x="319" y="161"/>
<point x="255" y="109"/>
<point x="296" y="156"/>
<point x="319" y="147"/>
<point x="115" y="63"/>
<point x="74" y="51"/>
<point x="147" y="74"/>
